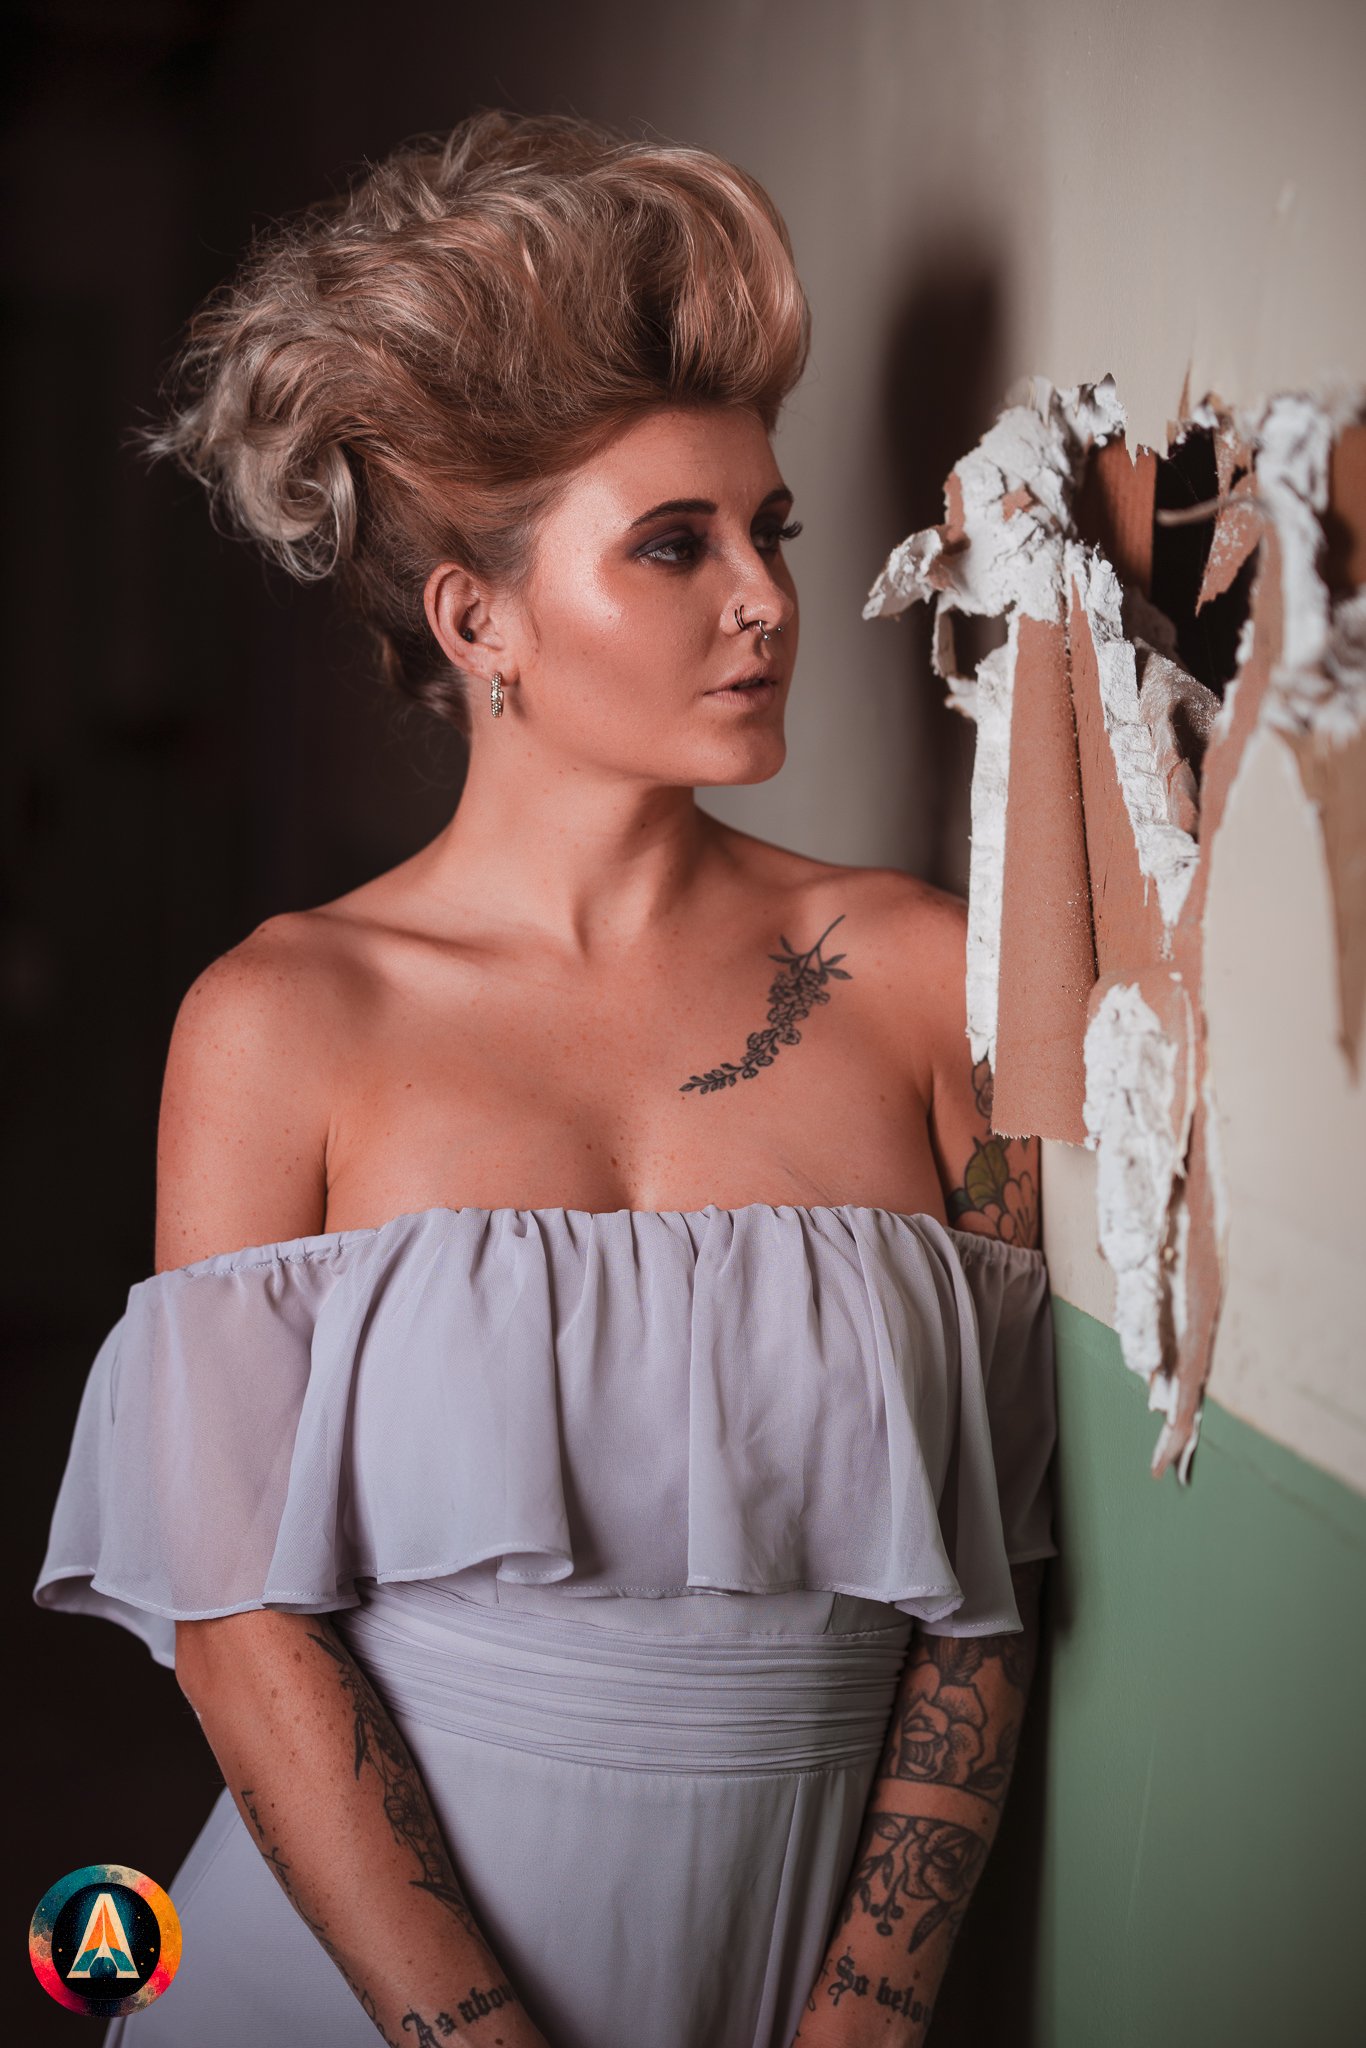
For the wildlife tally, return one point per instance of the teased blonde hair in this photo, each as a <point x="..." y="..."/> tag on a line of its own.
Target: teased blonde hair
<point x="406" y="374"/>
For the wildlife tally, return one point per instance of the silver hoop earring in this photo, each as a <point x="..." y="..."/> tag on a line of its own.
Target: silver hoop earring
<point x="496" y="694"/>
<point x="766" y="632"/>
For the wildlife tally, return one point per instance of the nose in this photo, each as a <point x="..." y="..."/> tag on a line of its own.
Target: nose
<point x="761" y="600"/>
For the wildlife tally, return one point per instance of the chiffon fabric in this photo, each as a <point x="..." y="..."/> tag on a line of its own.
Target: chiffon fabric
<point x="629" y="1518"/>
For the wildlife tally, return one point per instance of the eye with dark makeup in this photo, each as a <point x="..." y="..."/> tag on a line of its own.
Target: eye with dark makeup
<point x="775" y="535"/>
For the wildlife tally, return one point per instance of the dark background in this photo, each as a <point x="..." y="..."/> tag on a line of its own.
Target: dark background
<point x="196" y="743"/>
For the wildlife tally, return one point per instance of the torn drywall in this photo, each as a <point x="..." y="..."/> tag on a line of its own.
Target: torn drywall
<point x="1153" y="628"/>
<point x="1000" y="553"/>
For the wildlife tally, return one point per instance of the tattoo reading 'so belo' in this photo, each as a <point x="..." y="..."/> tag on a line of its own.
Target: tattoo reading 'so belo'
<point x="848" y="1981"/>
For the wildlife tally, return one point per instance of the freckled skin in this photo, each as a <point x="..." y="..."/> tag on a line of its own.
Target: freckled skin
<point x="931" y="1818"/>
<point x="568" y="998"/>
<point x="583" y="942"/>
<point x="607" y="653"/>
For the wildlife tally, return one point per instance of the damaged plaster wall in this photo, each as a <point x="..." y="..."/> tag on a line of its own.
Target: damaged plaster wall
<point x="1169" y="194"/>
<point x="1199" y="161"/>
<point x="1104" y="971"/>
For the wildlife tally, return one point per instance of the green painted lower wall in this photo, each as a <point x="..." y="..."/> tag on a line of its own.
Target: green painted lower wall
<point x="1183" y="1855"/>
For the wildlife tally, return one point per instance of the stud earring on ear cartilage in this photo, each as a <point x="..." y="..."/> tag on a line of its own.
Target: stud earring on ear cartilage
<point x="496" y="694"/>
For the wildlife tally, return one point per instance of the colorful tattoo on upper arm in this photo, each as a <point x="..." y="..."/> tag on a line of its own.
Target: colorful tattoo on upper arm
<point x="997" y="1183"/>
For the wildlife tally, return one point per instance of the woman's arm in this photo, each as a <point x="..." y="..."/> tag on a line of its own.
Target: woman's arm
<point x="333" y="1800"/>
<point x="319" y="1773"/>
<point x="935" y="1803"/>
<point x="931" y="1819"/>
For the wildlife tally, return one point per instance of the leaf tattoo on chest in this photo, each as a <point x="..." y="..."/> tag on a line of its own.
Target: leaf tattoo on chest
<point x="792" y="995"/>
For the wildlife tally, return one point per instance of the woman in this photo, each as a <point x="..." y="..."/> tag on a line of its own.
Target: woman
<point x="561" y="1391"/>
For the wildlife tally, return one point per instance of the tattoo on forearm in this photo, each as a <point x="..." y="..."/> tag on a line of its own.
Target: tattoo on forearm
<point x="791" y="996"/>
<point x="915" y="1873"/>
<point x="918" y="1863"/>
<point x="378" y="1743"/>
<point x="940" y="1727"/>
<point x="317" y="1928"/>
<point x="478" y="2006"/>
<point x="424" y="2031"/>
<point x="406" y="1806"/>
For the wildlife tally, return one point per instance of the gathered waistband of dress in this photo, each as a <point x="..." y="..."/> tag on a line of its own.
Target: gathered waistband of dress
<point x="597" y="1696"/>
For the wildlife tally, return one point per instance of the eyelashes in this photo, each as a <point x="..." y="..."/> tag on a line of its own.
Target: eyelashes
<point x="689" y="543"/>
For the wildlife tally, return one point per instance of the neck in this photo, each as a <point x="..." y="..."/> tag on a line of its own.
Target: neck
<point x="586" y="858"/>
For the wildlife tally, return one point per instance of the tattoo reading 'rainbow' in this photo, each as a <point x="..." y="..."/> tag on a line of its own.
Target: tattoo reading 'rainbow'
<point x="104" y="1940"/>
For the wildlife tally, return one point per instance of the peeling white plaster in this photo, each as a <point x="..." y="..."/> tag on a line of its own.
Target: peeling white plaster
<point x="1330" y="698"/>
<point x="1138" y="1112"/>
<point x="1163" y="1390"/>
<point x="1132" y="1077"/>
<point x="1294" y="440"/>
<point x="987" y="852"/>
<point x="1319" y="683"/>
<point x="1164" y="1395"/>
<point x="1167" y="854"/>
<point x="1013" y="557"/>
<point x="1011" y="563"/>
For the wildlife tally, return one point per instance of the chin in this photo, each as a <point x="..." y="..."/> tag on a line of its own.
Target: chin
<point x="757" y="760"/>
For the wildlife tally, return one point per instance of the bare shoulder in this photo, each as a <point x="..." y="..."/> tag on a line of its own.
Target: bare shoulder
<point x="922" y="936"/>
<point x="898" y="908"/>
<point x="245" y="1102"/>
<point x="902" y="941"/>
<point x="908" y="942"/>
<point x="991" y="1183"/>
<point x="922" y="928"/>
<point x="267" y="988"/>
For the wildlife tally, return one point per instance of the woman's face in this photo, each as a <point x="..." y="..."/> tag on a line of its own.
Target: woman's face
<point x="626" y="629"/>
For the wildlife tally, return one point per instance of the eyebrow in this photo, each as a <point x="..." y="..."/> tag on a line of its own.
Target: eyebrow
<point x="698" y="505"/>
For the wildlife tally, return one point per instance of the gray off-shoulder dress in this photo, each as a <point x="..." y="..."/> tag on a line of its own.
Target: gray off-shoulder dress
<point x="629" y="1517"/>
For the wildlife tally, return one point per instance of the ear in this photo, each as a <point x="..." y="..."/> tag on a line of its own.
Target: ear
<point x="452" y="600"/>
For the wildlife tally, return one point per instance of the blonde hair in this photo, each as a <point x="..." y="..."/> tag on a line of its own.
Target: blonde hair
<point x="406" y="374"/>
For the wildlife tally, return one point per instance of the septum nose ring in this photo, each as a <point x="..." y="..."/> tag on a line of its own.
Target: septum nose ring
<point x="766" y="632"/>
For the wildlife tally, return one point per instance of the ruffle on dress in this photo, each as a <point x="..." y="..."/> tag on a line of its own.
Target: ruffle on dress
<point x="626" y="1403"/>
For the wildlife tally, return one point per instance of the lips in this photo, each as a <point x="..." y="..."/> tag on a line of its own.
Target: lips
<point x="745" y="682"/>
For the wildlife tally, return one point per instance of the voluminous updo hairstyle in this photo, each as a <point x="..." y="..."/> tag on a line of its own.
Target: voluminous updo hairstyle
<point x="405" y="374"/>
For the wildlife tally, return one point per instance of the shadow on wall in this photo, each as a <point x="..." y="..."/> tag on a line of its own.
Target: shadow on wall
<point x="991" y="1993"/>
<point x="943" y="377"/>
<point x="941" y="382"/>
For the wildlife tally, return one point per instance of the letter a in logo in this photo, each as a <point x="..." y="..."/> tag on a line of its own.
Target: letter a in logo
<point x="104" y="1940"/>
<point x="104" y="1945"/>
